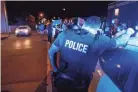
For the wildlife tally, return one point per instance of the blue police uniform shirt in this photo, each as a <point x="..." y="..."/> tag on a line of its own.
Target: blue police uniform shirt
<point x="81" y="52"/>
<point x="41" y="27"/>
<point x="49" y="28"/>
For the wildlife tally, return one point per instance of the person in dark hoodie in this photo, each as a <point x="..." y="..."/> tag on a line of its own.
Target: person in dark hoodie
<point x="49" y="28"/>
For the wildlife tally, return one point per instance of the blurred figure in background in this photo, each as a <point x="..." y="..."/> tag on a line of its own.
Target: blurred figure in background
<point x="57" y="30"/>
<point x="53" y="31"/>
<point x="107" y="30"/>
<point x="114" y="26"/>
<point x="49" y="30"/>
<point x="37" y="29"/>
<point x="80" y="21"/>
<point x="64" y="25"/>
<point x="122" y="26"/>
<point x="73" y="24"/>
<point x="41" y="29"/>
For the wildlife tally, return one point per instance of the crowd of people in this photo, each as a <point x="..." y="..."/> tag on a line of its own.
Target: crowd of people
<point x="116" y="26"/>
<point x="52" y="31"/>
<point x="107" y="29"/>
<point x="80" y="47"/>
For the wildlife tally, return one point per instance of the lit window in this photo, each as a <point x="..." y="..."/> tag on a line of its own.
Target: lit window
<point x="116" y="12"/>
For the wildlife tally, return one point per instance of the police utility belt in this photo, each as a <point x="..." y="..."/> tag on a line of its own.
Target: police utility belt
<point x="59" y="76"/>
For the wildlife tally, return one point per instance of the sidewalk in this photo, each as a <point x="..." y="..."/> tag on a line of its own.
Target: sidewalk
<point x="49" y="79"/>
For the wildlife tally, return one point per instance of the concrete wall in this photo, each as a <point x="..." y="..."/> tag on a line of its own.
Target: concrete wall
<point x="4" y="20"/>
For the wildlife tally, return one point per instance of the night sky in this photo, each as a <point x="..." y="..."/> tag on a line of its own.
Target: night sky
<point x="55" y="8"/>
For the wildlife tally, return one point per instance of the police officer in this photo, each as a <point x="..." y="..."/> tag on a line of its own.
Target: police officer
<point x="41" y="29"/>
<point x="79" y="52"/>
<point x="49" y="28"/>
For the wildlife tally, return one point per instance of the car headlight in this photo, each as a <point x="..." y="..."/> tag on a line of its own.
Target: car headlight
<point x="16" y="31"/>
<point x="26" y="31"/>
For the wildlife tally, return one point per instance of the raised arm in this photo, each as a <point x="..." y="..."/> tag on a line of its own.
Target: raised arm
<point x="121" y="39"/>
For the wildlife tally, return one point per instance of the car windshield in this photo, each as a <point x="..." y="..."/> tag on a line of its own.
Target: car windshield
<point x="22" y="27"/>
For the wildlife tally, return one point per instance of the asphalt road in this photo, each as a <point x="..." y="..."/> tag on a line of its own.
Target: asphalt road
<point x="25" y="64"/>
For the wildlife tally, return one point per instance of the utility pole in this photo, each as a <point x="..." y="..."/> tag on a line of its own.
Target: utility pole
<point x="5" y="26"/>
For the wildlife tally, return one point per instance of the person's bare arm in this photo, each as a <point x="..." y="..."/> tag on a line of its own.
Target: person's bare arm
<point x="107" y="43"/>
<point x="59" y="29"/>
<point x="53" y="49"/>
<point x="120" y="33"/>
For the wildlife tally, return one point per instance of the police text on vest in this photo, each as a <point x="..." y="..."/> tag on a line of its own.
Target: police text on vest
<point x="76" y="46"/>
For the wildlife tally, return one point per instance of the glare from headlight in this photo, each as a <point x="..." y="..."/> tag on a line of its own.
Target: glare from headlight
<point x="27" y="44"/>
<point x="26" y="31"/>
<point x="16" y="31"/>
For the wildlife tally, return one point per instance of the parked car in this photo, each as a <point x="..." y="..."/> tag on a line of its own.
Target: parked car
<point x="120" y="65"/>
<point x="23" y="31"/>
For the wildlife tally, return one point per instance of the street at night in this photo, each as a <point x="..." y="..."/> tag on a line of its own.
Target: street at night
<point x="24" y="62"/>
<point x="69" y="46"/>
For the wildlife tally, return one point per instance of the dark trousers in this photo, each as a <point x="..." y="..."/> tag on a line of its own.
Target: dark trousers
<point x="65" y="85"/>
<point x="55" y="35"/>
<point x="49" y="38"/>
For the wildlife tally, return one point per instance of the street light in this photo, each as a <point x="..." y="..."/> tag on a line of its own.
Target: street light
<point x="64" y="9"/>
<point x="41" y="14"/>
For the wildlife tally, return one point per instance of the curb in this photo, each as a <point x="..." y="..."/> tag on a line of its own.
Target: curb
<point x="3" y="38"/>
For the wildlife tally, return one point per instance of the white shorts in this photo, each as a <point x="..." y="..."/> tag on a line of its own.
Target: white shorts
<point x="42" y="32"/>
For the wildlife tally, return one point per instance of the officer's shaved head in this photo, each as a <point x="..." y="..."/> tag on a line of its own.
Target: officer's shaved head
<point x="92" y="23"/>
